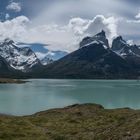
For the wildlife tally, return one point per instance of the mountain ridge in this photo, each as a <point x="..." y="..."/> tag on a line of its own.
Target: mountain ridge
<point x="94" y="59"/>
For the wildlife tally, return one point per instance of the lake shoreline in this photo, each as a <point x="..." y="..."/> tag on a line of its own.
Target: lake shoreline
<point x="68" y="106"/>
<point x="11" y="81"/>
<point x="78" y="121"/>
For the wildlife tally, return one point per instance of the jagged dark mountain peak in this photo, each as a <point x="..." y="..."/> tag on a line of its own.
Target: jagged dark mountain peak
<point x="95" y="59"/>
<point x="101" y="34"/>
<point x="98" y="38"/>
<point x="8" y="41"/>
<point x="119" y="38"/>
<point x="119" y="44"/>
<point x="90" y="61"/>
<point x="86" y="38"/>
<point x="122" y="48"/>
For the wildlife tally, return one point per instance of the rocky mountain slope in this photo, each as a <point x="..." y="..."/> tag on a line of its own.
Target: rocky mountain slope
<point x="45" y="55"/>
<point x="23" y="62"/>
<point x="22" y="59"/>
<point x="94" y="59"/>
<point x="131" y="53"/>
<point x="52" y="56"/>
<point x="122" y="48"/>
<point x="4" y="67"/>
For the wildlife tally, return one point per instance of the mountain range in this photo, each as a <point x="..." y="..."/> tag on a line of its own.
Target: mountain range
<point x="23" y="62"/>
<point x="45" y="55"/>
<point x="95" y="59"/>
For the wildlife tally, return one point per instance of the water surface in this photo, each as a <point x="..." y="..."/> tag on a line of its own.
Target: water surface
<point x="38" y="95"/>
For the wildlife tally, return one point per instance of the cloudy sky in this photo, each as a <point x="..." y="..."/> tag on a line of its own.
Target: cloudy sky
<point x="63" y="23"/>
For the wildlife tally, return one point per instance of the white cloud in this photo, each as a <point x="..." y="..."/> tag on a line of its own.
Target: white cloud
<point x="133" y="21"/>
<point x="136" y="20"/>
<point x="67" y="37"/>
<point x="60" y="37"/>
<point x="138" y="15"/>
<point x="101" y="23"/>
<point x="15" y="6"/>
<point x="78" y="25"/>
<point x="13" y="28"/>
<point x="83" y="27"/>
<point x="70" y="23"/>
<point x="40" y="55"/>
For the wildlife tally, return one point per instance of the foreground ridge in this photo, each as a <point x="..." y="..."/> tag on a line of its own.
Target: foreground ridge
<point x="86" y="121"/>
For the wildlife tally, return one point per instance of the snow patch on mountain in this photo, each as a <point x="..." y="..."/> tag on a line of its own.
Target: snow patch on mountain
<point x="23" y="59"/>
<point x="122" y="48"/>
<point x="45" y="55"/>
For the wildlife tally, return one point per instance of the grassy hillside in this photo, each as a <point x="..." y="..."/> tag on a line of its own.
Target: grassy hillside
<point x="77" y="122"/>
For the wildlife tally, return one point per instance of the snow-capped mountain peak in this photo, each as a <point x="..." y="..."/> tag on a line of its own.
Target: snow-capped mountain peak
<point x="46" y="60"/>
<point x="23" y="59"/>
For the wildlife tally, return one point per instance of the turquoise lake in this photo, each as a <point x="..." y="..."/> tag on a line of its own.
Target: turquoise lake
<point x="40" y="95"/>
